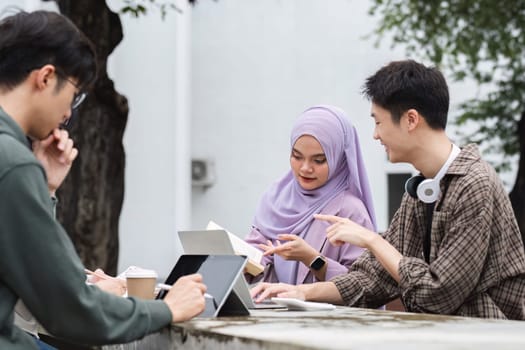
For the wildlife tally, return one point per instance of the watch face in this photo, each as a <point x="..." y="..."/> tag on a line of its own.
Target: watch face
<point x="318" y="263"/>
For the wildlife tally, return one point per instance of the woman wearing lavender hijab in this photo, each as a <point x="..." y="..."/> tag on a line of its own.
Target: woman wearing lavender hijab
<point x="327" y="176"/>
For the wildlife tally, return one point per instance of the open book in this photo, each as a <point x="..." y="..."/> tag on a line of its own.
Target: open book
<point x="240" y="247"/>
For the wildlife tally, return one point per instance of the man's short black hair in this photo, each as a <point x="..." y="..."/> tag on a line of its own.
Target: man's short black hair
<point x="29" y="41"/>
<point x="402" y="85"/>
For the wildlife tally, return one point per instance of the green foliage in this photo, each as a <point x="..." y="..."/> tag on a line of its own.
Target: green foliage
<point x="482" y="40"/>
<point x="137" y="8"/>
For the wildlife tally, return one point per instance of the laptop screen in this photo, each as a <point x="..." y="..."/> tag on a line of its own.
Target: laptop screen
<point x="205" y="242"/>
<point x="219" y="273"/>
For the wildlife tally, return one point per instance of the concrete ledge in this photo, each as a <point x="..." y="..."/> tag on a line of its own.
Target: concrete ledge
<point x="342" y="328"/>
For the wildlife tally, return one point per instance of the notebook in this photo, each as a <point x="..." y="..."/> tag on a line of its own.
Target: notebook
<point x="218" y="242"/>
<point x="219" y="274"/>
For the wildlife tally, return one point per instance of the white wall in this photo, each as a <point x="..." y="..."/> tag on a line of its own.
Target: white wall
<point x="143" y="67"/>
<point x="256" y="66"/>
<point x="27" y="5"/>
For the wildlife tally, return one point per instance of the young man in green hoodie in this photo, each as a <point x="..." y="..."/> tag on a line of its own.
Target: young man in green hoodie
<point x="46" y="65"/>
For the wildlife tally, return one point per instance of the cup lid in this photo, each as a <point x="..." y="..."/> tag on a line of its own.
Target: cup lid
<point x="138" y="272"/>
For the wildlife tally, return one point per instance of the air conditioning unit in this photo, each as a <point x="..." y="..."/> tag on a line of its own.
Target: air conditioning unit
<point x="202" y="172"/>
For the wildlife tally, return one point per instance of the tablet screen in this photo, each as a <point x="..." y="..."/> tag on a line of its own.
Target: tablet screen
<point x="219" y="273"/>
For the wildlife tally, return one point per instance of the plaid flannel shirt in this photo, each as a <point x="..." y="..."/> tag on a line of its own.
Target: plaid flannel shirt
<point x="477" y="259"/>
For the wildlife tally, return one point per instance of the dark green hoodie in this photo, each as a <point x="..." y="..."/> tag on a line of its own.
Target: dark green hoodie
<point x="39" y="265"/>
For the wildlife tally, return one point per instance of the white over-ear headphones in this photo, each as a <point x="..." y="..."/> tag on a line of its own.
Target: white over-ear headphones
<point x="427" y="190"/>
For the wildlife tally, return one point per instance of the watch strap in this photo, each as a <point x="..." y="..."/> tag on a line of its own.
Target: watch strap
<point x="318" y="263"/>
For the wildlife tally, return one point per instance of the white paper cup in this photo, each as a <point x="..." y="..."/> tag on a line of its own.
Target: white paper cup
<point x="141" y="283"/>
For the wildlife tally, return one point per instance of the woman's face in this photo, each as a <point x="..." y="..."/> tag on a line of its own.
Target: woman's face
<point x="308" y="163"/>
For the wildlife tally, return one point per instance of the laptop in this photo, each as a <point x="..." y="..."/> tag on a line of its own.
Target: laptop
<point x="217" y="242"/>
<point x="219" y="274"/>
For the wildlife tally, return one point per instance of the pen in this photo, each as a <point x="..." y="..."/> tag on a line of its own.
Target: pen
<point x="99" y="275"/>
<point x="168" y="287"/>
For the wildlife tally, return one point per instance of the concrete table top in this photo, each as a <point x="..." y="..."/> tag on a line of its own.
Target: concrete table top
<point x="342" y="328"/>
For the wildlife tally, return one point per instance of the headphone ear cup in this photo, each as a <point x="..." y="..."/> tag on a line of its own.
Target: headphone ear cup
<point x="412" y="184"/>
<point x="428" y="191"/>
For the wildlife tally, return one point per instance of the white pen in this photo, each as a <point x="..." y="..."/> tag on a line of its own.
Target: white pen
<point x="168" y="287"/>
<point x="102" y="276"/>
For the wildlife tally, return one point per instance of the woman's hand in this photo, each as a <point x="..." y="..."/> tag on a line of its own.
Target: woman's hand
<point x="294" y="248"/>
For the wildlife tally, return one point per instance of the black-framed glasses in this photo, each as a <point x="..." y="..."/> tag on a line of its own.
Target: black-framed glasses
<point x="66" y="124"/>
<point x="79" y="97"/>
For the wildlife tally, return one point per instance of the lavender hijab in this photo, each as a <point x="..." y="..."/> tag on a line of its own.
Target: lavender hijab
<point x="286" y="207"/>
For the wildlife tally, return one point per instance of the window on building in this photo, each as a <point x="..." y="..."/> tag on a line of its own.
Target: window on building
<point x="396" y="189"/>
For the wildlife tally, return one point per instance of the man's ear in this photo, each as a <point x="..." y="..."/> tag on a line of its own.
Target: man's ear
<point x="44" y="75"/>
<point x="413" y="119"/>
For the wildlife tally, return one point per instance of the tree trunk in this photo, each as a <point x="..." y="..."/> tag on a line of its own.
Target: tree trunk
<point x="517" y="195"/>
<point x="90" y="200"/>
